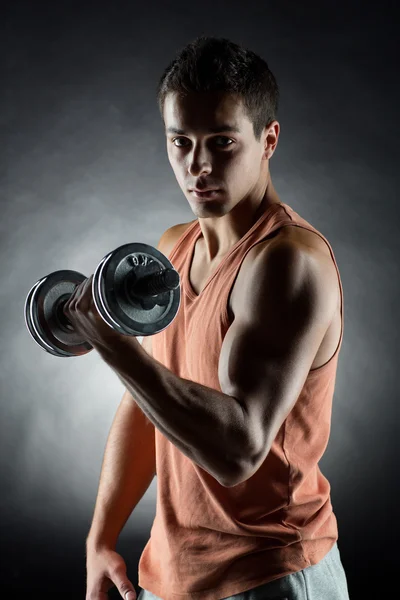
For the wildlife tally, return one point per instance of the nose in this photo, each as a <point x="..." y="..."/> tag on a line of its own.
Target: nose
<point x="199" y="162"/>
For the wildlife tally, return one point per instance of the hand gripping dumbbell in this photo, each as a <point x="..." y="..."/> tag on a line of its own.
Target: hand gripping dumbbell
<point x="135" y="289"/>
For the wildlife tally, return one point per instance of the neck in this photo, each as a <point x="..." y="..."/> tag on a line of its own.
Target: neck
<point x="221" y="233"/>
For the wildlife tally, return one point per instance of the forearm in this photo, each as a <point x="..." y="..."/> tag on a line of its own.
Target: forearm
<point x="204" y="424"/>
<point x="127" y="471"/>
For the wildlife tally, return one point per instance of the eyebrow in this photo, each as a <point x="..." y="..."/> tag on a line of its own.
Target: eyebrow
<point x="220" y="129"/>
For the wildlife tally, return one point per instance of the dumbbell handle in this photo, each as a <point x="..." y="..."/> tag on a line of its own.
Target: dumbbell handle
<point x="149" y="285"/>
<point x="156" y="283"/>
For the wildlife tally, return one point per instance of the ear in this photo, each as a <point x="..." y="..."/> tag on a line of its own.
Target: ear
<point x="271" y="135"/>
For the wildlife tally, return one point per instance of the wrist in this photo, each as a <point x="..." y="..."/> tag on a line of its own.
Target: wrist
<point x="125" y="356"/>
<point x="96" y="543"/>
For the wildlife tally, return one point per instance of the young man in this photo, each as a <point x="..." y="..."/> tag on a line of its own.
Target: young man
<point x="231" y="403"/>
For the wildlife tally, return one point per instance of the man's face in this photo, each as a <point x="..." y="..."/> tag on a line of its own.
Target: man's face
<point x="228" y="158"/>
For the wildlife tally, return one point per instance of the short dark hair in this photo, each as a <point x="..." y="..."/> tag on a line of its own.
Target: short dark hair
<point x="210" y="64"/>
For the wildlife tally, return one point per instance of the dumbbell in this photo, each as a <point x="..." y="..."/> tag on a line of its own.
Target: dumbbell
<point x="135" y="289"/>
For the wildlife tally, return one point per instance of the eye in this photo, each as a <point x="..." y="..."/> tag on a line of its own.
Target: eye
<point x="220" y="137"/>
<point x="225" y="139"/>
<point x="175" y="139"/>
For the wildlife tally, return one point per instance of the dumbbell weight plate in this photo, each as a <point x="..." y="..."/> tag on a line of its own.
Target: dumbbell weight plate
<point x="41" y="314"/>
<point x="113" y="301"/>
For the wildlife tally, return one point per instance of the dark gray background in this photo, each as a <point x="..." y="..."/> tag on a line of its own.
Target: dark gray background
<point x="84" y="169"/>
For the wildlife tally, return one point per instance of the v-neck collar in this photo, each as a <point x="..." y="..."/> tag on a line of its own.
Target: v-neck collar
<point x="186" y="279"/>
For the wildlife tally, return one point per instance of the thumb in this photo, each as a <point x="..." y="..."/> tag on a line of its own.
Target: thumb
<point x="122" y="583"/>
<point x="126" y="590"/>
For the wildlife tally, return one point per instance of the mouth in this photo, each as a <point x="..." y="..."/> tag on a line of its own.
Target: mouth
<point x="205" y="193"/>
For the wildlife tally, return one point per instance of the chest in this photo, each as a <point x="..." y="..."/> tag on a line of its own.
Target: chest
<point x="200" y="272"/>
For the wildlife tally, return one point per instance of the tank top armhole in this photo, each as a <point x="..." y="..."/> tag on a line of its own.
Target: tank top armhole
<point x="180" y="239"/>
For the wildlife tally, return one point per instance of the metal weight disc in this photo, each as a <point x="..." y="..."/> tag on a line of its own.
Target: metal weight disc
<point x="41" y="315"/>
<point x="118" y="308"/>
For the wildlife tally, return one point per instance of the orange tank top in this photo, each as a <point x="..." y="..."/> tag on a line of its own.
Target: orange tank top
<point x="208" y="541"/>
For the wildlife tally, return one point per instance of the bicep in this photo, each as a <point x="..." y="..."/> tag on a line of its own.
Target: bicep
<point x="269" y="349"/>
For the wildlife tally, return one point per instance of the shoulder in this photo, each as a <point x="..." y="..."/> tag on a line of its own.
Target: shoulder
<point x="291" y="244"/>
<point x="171" y="236"/>
<point x="300" y="236"/>
<point x="292" y="263"/>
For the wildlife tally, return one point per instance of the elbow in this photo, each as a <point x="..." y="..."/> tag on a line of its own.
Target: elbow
<point x="248" y="467"/>
<point x="247" y="459"/>
<point x="232" y="475"/>
<point x="240" y="475"/>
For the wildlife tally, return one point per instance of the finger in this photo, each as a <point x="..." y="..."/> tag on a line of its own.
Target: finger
<point x="73" y="295"/>
<point x="83" y="299"/>
<point x="87" y="283"/>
